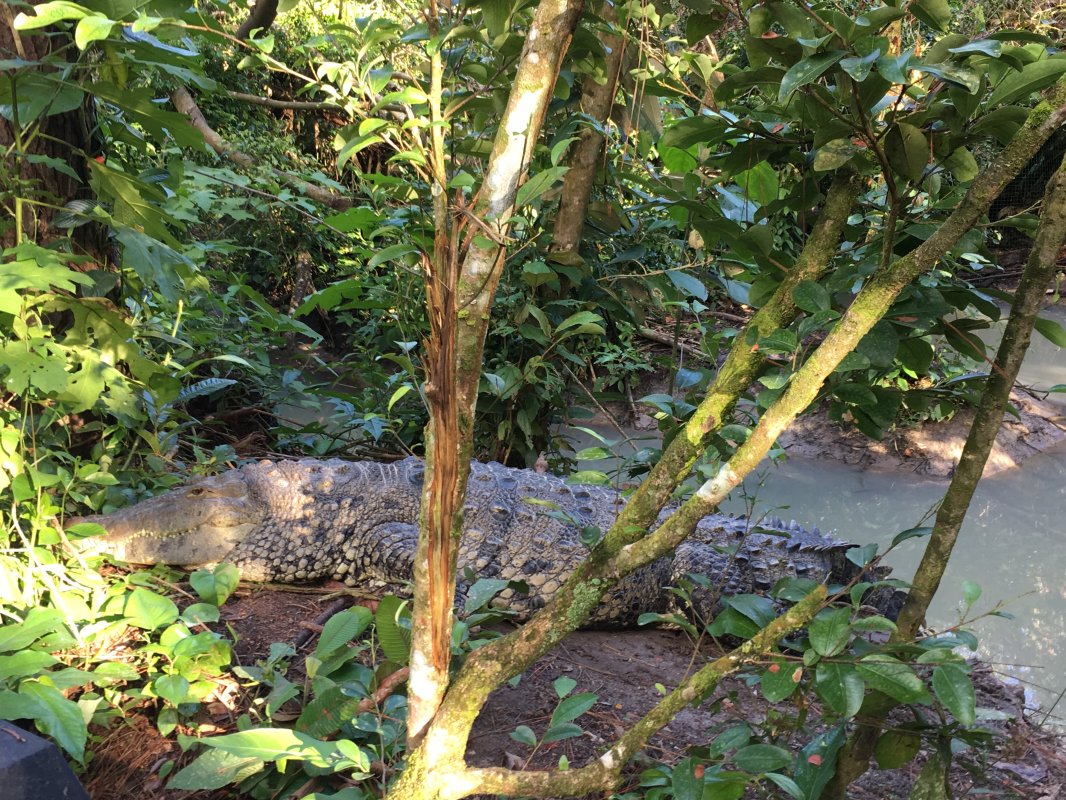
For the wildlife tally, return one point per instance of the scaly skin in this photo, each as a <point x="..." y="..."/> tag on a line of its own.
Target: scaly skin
<point x="357" y="522"/>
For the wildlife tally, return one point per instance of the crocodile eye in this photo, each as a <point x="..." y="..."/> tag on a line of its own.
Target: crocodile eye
<point x="196" y="491"/>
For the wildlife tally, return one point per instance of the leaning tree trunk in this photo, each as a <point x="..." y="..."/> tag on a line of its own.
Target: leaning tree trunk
<point x="1028" y="299"/>
<point x="66" y="137"/>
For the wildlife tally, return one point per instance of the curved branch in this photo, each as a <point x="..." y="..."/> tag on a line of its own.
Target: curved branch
<point x="262" y="17"/>
<point x="183" y="102"/>
<point x="270" y="102"/>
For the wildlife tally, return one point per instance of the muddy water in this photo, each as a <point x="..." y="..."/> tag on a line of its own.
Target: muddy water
<point x="1013" y="543"/>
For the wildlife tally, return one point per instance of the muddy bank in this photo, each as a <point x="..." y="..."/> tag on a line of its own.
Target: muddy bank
<point x="931" y="449"/>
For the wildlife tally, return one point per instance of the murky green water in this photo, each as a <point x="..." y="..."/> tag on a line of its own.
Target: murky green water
<point x="1013" y="543"/>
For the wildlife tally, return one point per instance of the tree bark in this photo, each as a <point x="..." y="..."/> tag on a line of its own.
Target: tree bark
<point x="462" y="281"/>
<point x="597" y="100"/>
<point x="65" y="137"/>
<point x="261" y="17"/>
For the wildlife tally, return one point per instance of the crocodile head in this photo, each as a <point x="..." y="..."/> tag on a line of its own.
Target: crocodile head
<point x="197" y="524"/>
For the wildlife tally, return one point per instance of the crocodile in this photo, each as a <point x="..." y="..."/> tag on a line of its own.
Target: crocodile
<point x="357" y="522"/>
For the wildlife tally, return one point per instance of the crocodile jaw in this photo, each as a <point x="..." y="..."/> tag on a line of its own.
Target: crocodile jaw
<point x="197" y="524"/>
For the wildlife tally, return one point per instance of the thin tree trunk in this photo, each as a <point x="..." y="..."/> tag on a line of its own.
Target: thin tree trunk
<point x="260" y="18"/>
<point x="462" y="284"/>
<point x="1028" y="299"/>
<point x="597" y="100"/>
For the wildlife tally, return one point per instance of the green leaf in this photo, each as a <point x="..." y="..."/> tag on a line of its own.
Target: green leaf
<point x="341" y="629"/>
<point x="58" y="717"/>
<point x="840" y="686"/>
<point x="830" y="631"/>
<point x="971" y="592"/>
<point x="757" y="608"/>
<point x="760" y="758"/>
<point x="215" y="769"/>
<point x="807" y="70"/>
<point x="172" y="688"/>
<point x="1017" y="86"/>
<point x="538" y="185"/>
<point x="49" y="14"/>
<point x="934" y="13"/>
<point x="910" y="533"/>
<point x="907" y="150"/>
<point x="760" y="184"/>
<point x="954" y="688"/>
<point x="563" y="730"/>
<point x="787" y="784"/>
<point x="810" y="296"/>
<point x="932" y="783"/>
<point x="572" y="707"/>
<point x="834" y="154"/>
<point x="780" y="679"/>
<point x="896" y="748"/>
<point x="582" y="319"/>
<point x="892" y="677"/>
<point x="1051" y="330"/>
<point x="92" y="29"/>
<point x="685" y="784"/>
<point x="217" y="584"/>
<point x="483" y="590"/>
<point x="39" y="622"/>
<point x="525" y="735"/>
<point x="394" y="635"/>
<point x="149" y="610"/>
<point x="563" y="685"/>
<point x="962" y="165"/>
<point x="24" y="664"/>
<point x="687" y="283"/>
<point x="274" y="744"/>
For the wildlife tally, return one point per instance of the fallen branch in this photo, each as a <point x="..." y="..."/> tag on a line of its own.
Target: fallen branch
<point x="184" y="103"/>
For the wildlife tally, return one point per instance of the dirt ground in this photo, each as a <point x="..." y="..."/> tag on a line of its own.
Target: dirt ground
<point x="623" y="668"/>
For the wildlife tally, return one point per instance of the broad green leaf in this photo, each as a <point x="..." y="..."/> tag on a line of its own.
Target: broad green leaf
<point x="840" y="686"/>
<point x="907" y="150"/>
<point x="971" y="592"/>
<point x="274" y="744"/>
<point x="21" y="665"/>
<point x="685" y="784"/>
<point x="780" y="679"/>
<point x="341" y="629"/>
<point x="149" y="610"/>
<point x="39" y="622"/>
<point x="560" y="731"/>
<point x="483" y="590"/>
<point x="830" y="631"/>
<point x="1017" y="86"/>
<point x="563" y="685"/>
<point x="760" y="184"/>
<point x="524" y="734"/>
<point x="216" y="584"/>
<point x="892" y="677"/>
<point x="215" y="769"/>
<point x="92" y="29"/>
<point x="934" y="13"/>
<point x="932" y="783"/>
<point x="962" y="165"/>
<point x="538" y="185"/>
<point x="572" y="707"/>
<point x="964" y="77"/>
<point x="760" y="758"/>
<point x="835" y="154"/>
<point x="687" y="283"/>
<point x="810" y="296"/>
<point x="757" y="608"/>
<point x="172" y="688"/>
<point x="58" y="717"/>
<point x="1051" y="330"/>
<point x="954" y="688"/>
<point x="896" y="748"/>
<point x="807" y="70"/>
<point x="392" y="624"/>
<point x="49" y="14"/>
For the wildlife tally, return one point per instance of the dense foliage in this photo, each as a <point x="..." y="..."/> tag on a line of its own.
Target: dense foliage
<point x="180" y="291"/>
